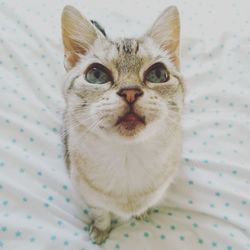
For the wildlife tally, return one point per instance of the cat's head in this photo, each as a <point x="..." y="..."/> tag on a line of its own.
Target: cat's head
<point x="126" y="89"/>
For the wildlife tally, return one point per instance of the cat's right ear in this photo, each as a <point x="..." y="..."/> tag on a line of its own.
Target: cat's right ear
<point x="166" y="32"/>
<point x="78" y="35"/>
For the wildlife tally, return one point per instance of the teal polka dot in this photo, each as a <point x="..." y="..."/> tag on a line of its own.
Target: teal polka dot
<point x="214" y="244"/>
<point x="46" y="205"/>
<point x="200" y="241"/>
<point x="32" y="239"/>
<point x="29" y="217"/>
<point x="162" y="237"/>
<point x="117" y="246"/>
<point x="50" y="198"/>
<point x="182" y="238"/>
<point x="54" y="130"/>
<point x="195" y="225"/>
<point x="126" y="235"/>
<point x="146" y="234"/>
<point x="25" y="199"/>
<point x="243" y="202"/>
<point x="86" y="211"/>
<point x="5" y="203"/>
<point x="53" y="237"/>
<point x="18" y="234"/>
<point x="234" y="172"/>
<point x="132" y="224"/>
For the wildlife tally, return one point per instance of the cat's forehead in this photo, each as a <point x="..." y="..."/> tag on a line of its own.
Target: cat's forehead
<point x="126" y="55"/>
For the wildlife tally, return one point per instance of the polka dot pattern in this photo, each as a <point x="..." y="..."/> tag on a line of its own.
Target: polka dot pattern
<point x="207" y="206"/>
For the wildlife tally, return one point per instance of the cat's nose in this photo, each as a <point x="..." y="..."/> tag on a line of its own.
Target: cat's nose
<point x="130" y="95"/>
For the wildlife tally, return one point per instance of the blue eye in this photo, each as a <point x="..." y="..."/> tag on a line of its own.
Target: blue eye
<point x="157" y="74"/>
<point x="97" y="74"/>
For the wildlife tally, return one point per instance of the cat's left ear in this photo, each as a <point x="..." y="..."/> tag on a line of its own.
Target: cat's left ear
<point x="166" y="32"/>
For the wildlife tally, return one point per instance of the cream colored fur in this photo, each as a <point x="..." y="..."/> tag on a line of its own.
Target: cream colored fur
<point x="117" y="171"/>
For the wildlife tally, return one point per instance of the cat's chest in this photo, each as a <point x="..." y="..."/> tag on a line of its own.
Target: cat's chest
<point x="123" y="169"/>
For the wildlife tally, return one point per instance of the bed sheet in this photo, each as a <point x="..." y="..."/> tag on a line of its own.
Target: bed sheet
<point x="208" y="206"/>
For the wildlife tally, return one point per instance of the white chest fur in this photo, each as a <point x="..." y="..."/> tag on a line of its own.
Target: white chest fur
<point x="128" y="178"/>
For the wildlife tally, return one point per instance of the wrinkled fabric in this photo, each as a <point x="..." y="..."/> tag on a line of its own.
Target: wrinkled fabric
<point x="208" y="205"/>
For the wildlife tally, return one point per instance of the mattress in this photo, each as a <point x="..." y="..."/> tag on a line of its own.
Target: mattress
<point x="208" y="205"/>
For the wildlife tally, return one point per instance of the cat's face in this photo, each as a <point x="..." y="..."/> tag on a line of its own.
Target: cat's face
<point x="126" y="89"/>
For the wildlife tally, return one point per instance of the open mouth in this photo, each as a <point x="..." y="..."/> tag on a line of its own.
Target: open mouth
<point x="130" y="120"/>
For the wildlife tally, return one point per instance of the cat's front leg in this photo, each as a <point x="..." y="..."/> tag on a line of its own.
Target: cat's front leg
<point x="101" y="225"/>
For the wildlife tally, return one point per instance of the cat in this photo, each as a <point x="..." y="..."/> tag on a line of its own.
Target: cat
<point x="124" y="100"/>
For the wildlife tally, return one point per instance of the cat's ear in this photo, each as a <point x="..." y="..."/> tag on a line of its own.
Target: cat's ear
<point x="78" y="35"/>
<point x="166" y="32"/>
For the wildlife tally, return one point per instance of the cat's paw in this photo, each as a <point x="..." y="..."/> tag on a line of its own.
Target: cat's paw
<point x="143" y="216"/>
<point x="97" y="235"/>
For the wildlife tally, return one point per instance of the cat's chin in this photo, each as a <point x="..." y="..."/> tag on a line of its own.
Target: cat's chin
<point x="129" y="131"/>
<point x="141" y="133"/>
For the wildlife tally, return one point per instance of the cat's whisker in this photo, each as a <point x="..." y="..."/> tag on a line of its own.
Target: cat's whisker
<point x="88" y="130"/>
<point x="73" y="126"/>
<point x="73" y="146"/>
<point x="79" y="118"/>
<point x="176" y="122"/>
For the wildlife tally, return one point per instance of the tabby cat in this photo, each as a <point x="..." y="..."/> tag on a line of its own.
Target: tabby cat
<point x="124" y="100"/>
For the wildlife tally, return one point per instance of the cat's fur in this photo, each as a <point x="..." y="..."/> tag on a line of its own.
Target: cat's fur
<point x="115" y="169"/>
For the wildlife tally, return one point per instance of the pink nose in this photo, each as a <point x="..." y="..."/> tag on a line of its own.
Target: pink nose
<point x="130" y="95"/>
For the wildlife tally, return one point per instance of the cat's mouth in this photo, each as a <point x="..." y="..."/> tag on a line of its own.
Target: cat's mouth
<point x="130" y="120"/>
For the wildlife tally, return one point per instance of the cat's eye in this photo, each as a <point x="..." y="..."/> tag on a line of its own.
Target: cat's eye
<point x="97" y="74"/>
<point x="157" y="73"/>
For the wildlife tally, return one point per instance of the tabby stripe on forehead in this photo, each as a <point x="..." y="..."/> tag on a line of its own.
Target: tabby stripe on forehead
<point x="128" y="46"/>
<point x="137" y="47"/>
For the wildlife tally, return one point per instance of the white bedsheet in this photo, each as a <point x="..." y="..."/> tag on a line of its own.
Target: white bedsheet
<point x="209" y="204"/>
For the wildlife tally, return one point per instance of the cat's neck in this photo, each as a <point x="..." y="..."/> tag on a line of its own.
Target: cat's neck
<point x="103" y="150"/>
